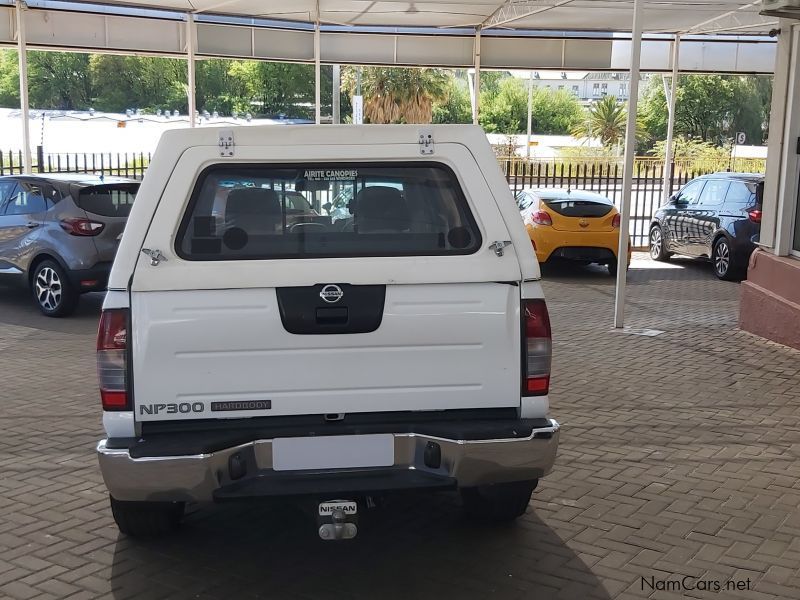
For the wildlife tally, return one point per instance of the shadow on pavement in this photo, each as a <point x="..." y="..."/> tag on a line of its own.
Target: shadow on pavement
<point x="17" y="308"/>
<point x="641" y="271"/>
<point x="417" y="547"/>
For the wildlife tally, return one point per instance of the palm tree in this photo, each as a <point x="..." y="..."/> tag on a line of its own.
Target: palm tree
<point x="399" y="95"/>
<point x="606" y="121"/>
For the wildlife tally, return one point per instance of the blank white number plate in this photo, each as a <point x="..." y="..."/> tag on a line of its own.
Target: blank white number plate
<point x="333" y="452"/>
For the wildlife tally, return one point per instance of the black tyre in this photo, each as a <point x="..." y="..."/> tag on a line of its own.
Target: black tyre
<point x="658" y="245"/>
<point x="52" y="291"/>
<point x="723" y="260"/>
<point x="500" y="502"/>
<point x="147" y="519"/>
<point x="612" y="269"/>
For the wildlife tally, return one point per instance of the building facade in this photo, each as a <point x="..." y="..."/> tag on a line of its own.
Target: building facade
<point x="770" y="298"/>
<point x="587" y="87"/>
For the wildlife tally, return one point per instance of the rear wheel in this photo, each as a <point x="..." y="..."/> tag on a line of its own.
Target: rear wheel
<point x="723" y="261"/>
<point x="499" y="502"/>
<point x="147" y="519"/>
<point x="658" y="246"/>
<point x="52" y="290"/>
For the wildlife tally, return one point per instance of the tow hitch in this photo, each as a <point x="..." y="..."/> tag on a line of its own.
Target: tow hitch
<point x="338" y="520"/>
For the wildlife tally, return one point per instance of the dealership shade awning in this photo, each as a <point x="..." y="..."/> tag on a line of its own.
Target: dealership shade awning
<point x="529" y="35"/>
<point x="659" y="16"/>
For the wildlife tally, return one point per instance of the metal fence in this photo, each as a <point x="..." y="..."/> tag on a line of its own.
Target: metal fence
<point x="605" y="177"/>
<point x="121" y="164"/>
<point x="599" y="175"/>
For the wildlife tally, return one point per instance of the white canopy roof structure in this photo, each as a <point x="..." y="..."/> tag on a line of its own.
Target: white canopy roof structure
<point x="660" y="16"/>
<point x="568" y="35"/>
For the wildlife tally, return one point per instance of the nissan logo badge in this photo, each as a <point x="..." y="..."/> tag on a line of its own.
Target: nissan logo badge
<point x="331" y="294"/>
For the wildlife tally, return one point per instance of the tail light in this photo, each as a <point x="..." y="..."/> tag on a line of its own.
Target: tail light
<point x="83" y="227"/>
<point x="615" y="223"/>
<point x="537" y="348"/>
<point x="754" y="215"/>
<point x="112" y="359"/>
<point x="541" y="217"/>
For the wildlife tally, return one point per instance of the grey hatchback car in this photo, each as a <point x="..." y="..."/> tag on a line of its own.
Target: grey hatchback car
<point x="59" y="234"/>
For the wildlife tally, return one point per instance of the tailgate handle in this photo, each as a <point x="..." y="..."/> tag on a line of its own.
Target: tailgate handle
<point x="332" y="316"/>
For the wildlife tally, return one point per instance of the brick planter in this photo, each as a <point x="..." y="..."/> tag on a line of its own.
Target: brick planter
<point x="770" y="298"/>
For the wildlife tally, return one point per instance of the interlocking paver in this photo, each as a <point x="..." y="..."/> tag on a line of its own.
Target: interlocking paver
<point x="680" y="457"/>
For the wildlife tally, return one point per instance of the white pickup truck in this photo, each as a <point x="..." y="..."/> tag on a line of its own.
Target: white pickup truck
<point x="251" y="346"/>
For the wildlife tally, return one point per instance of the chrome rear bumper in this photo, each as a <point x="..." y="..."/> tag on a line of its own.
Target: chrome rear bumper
<point x="247" y="470"/>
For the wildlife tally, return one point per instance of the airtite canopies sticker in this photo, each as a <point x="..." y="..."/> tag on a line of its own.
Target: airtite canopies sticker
<point x="331" y="174"/>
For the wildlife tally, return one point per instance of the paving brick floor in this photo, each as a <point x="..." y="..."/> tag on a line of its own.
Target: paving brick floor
<point x="680" y="459"/>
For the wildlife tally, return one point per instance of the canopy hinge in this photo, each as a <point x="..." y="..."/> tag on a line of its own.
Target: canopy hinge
<point x="426" y="141"/>
<point x="226" y="142"/>
<point x="155" y="256"/>
<point x="499" y="247"/>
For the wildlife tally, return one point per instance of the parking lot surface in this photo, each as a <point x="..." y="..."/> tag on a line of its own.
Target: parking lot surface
<point x="679" y="467"/>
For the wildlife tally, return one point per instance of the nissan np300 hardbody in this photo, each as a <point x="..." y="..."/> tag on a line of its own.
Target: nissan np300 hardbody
<point x="251" y="347"/>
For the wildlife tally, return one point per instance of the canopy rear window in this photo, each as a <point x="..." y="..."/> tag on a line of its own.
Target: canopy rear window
<point x="112" y="200"/>
<point x="326" y="210"/>
<point x="584" y="209"/>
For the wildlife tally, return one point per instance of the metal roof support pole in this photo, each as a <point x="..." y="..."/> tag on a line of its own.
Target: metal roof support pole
<point x="337" y="91"/>
<point x="476" y="92"/>
<point x="191" y="37"/>
<point x="672" y="100"/>
<point x="530" y="114"/>
<point x="627" y="178"/>
<point x="22" y="51"/>
<point x="318" y="107"/>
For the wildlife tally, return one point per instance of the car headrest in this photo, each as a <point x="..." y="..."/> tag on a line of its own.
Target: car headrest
<point x="381" y="208"/>
<point x="248" y="202"/>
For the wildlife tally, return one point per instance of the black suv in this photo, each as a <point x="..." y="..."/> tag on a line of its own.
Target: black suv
<point x="715" y="216"/>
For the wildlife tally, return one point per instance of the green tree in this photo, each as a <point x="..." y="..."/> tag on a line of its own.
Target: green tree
<point x="711" y="108"/>
<point x="555" y="112"/>
<point x="398" y="95"/>
<point x="150" y="83"/>
<point x="606" y="120"/>
<point x="457" y="106"/>
<point x="693" y="150"/>
<point x="505" y="109"/>
<point x="491" y="80"/>
<point x="272" y="88"/>
<point x="9" y="79"/>
<point x="753" y="104"/>
<point x="216" y="88"/>
<point x="706" y="105"/>
<point x="59" y="80"/>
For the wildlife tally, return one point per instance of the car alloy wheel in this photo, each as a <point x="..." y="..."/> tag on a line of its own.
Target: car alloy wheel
<point x="656" y="243"/>
<point x="722" y="258"/>
<point x="48" y="289"/>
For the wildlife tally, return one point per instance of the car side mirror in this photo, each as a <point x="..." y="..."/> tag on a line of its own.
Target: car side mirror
<point x="677" y="200"/>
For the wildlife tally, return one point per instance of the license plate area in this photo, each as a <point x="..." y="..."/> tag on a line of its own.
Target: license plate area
<point x="333" y="452"/>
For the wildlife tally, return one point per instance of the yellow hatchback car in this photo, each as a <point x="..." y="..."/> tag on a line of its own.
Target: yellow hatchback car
<point x="571" y="224"/>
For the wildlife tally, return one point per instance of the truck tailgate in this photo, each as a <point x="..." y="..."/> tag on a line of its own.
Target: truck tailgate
<point x="226" y="354"/>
